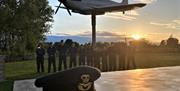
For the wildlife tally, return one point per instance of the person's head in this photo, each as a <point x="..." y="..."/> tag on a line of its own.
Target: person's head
<point x="50" y="44"/>
<point x="62" y="41"/>
<point x="39" y="45"/>
<point x="73" y="44"/>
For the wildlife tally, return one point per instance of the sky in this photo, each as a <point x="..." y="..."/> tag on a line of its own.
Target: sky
<point x="156" y="21"/>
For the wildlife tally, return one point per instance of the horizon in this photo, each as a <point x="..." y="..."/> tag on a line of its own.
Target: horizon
<point x="155" y="22"/>
<point x="84" y="39"/>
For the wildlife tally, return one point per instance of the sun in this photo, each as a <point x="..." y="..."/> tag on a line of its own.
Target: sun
<point x="136" y="36"/>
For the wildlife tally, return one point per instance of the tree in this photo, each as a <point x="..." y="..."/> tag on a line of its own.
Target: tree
<point x="163" y="43"/>
<point x="172" y="42"/>
<point x="23" y="24"/>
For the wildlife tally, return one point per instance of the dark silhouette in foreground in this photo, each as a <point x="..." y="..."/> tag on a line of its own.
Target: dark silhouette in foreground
<point x="75" y="79"/>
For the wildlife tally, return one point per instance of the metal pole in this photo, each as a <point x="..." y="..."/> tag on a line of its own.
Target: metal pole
<point x="93" y="20"/>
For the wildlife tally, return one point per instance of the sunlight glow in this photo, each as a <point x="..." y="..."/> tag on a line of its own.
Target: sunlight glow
<point x="136" y="36"/>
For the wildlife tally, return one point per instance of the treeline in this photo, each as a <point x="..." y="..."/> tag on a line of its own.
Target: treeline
<point x="171" y="45"/>
<point x="22" y="25"/>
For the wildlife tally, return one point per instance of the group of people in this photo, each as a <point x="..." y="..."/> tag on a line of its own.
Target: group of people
<point x="117" y="56"/>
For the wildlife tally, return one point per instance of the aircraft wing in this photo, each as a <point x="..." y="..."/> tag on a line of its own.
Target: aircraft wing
<point x="98" y="7"/>
<point x="116" y="7"/>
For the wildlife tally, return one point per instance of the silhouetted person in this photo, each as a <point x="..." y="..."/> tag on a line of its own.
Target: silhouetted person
<point x="62" y="50"/>
<point x="121" y="51"/>
<point x="81" y="55"/>
<point x="89" y="53"/>
<point x="51" y="58"/>
<point x="96" y="56"/>
<point x="73" y="54"/>
<point x="40" y="52"/>
<point x="112" y="59"/>
<point x="131" y="57"/>
<point x="104" y="60"/>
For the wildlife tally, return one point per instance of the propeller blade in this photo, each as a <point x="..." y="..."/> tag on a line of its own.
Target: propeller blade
<point x="58" y="8"/>
<point x="67" y="8"/>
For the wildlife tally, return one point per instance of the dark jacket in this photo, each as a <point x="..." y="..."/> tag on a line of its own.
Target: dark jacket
<point x="40" y="52"/>
<point x="51" y="51"/>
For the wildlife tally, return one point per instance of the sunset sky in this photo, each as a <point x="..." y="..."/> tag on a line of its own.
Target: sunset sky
<point x="155" y="22"/>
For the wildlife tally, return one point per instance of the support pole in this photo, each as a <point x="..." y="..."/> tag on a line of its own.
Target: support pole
<point x="93" y="21"/>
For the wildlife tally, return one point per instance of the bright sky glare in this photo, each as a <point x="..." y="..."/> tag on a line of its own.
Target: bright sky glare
<point x="156" y="21"/>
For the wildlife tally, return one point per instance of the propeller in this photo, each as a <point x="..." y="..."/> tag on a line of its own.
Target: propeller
<point x="64" y="2"/>
<point x="58" y="8"/>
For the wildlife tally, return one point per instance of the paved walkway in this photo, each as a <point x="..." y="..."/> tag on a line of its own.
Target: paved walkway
<point x="156" y="79"/>
<point x="25" y="85"/>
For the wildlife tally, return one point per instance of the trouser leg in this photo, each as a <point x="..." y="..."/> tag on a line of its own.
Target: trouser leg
<point x="133" y="62"/>
<point x="112" y="61"/>
<point x="83" y="60"/>
<point x="104" y="63"/>
<point x="38" y="65"/>
<point x="70" y="64"/>
<point x="97" y="62"/>
<point x="49" y="65"/>
<point x="60" y="63"/>
<point x="64" y="62"/>
<point x="42" y="65"/>
<point x="89" y="60"/>
<point x="54" y="64"/>
<point x="72" y="61"/>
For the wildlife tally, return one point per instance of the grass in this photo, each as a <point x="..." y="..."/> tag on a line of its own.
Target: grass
<point x="21" y="70"/>
<point x="27" y="69"/>
<point x="6" y="85"/>
<point x="152" y="60"/>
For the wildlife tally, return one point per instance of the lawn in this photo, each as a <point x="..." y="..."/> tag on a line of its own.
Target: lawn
<point x="27" y="69"/>
<point x="151" y="60"/>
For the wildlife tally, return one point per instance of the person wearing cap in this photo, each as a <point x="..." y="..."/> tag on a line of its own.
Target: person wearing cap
<point x="73" y="54"/>
<point x="62" y="50"/>
<point x="81" y="55"/>
<point x="40" y="52"/>
<point x="51" y="58"/>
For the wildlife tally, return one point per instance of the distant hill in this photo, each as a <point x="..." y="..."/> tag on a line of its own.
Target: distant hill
<point x="80" y="39"/>
<point x="57" y="38"/>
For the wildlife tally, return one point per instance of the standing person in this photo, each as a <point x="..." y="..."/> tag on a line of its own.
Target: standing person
<point x="89" y="54"/>
<point x="62" y="55"/>
<point x="81" y="55"/>
<point x="73" y="52"/>
<point x="104" y="60"/>
<point x="121" y="52"/>
<point x="40" y="52"/>
<point x="131" y="56"/>
<point x="96" y="58"/>
<point x="51" y="58"/>
<point x="112" y="58"/>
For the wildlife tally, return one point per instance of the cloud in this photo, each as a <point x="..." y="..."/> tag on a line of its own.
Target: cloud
<point x="160" y="24"/>
<point x="176" y="21"/>
<point x="174" y="24"/>
<point x="101" y="34"/>
<point x="58" y="34"/>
